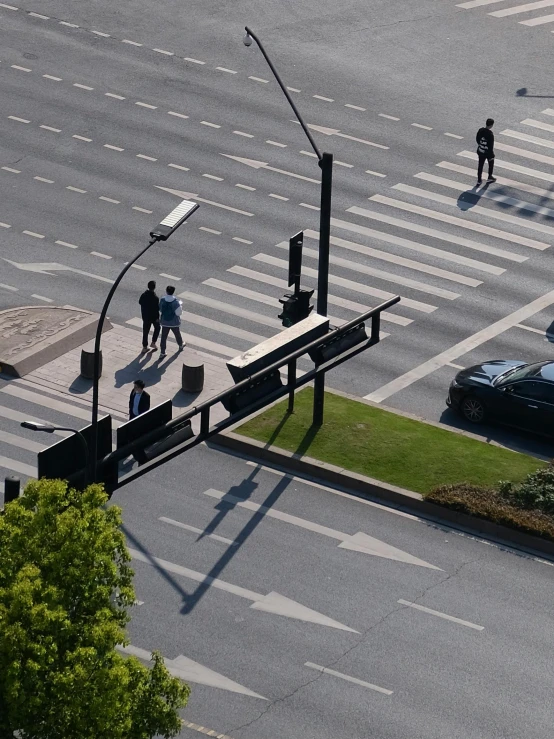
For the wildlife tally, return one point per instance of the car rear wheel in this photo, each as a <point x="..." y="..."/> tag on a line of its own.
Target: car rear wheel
<point x="473" y="409"/>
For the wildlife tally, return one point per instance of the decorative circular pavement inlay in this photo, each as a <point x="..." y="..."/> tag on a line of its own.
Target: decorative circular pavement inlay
<point x="22" y="329"/>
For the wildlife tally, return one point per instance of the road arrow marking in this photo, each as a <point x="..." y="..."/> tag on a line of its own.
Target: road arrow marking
<point x="271" y="603"/>
<point x="189" y="671"/>
<point x="255" y="164"/>
<point x="194" y="196"/>
<point x="47" y="268"/>
<point x="336" y="132"/>
<point x="359" y="542"/>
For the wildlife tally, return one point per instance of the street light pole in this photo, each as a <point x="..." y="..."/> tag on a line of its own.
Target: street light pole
<point x="35" y="426"/>
<point x="325" y="162"/>
<point x="161" y="233"/>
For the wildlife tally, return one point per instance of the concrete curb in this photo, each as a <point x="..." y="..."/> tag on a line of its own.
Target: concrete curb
<point x="382" y="492"/>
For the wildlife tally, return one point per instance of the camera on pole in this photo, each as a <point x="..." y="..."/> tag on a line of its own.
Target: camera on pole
<point x="296" y="306"/>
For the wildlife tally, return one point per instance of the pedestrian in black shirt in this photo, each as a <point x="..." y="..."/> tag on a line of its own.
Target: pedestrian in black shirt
<point x="149" y="307"/>
<point x="485" y="151"/>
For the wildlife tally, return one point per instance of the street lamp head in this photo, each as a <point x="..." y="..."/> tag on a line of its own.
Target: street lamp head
<point x="35" y="426"/>
<point x="172" y="222"/>
<point x="247" y="40"/>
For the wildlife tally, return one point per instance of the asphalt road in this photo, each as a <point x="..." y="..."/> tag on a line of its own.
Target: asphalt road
<point x="110" y="115"/>
<point x="475" y="664"/>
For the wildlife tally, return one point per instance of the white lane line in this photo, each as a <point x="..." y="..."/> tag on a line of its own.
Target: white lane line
<point x="453" y="135"/>
<point x="19" y="120"/>
<point x="389" y="276"/>
<point x="455" y="366"/>
<point x="189" y="195"/>
<point x="139" y="267"/>
<point x="43" y="179"/>
<point x="320" y="97"/>
<point x="462" y="347"/>
<point x="224" y="69"/>
<point x="375" y="174"/>
<point x="469" y="225"/>
<point x="148" y="159"/>
<point x="282" y="284"/>
<point x="441" y="615"/>
<point x="127" y="41"/>
<point x="548" y="111"/>
<point x="490" y="195"/>
<point x="549" y="194"/>
<point x="258" y="79"/>
<point x="142" y="210"/>
<point x="11" y="169"/>
<point x="4" y="225"/>
<point x="211" y="125"/>
<point x="308" y="153"/>
<point x="69" y="25"/>
<point x="170" y="277"/>
<point x="425" y="231"/>
<point x="389" y="117"/>
<point x="293" y="89"/>
<point x="21" y="69"/>
<point x="82" y="87"/>
<point x="310" y="207"/>
<point x="194" y="530"/>
<point x="489" y="212"/>
<point x="100" y="33"/>
<point x="81" y="138"/>
<point x="75" y="189"/>
<point x="9" y="287"/>
<point x="177" y="115"/>
<point x="234" y="310"/>
<point x="344" y="164"/>
<point x="51" y="128"/>
<point x="354" y="107"/>
<point x="146" y="105"/>
<point x="516" y="10"/>
<point x="109" y="200"/>
<point x="245" y="187"/>
<point x="114" y="148"/>
<point x="100" y="254"/>
<point x="41" y="297"/>
<point x="213" y="177"/>
<point x="533" y="330"/>
<point x="340" y="281"/>
<point x="113" y="95"/>
<point x="276" y="143"/>
<point x="178" y="166"/>
<point x="538" y="124"/>
<point x="246" y="135"/>
<point x="329" y="671"/>
<point x="541" y="20"/>
<point x="51" y="77"/>
<point x="66" y="243"/>
<point x="478" y="3"/>
<point x="242" y="241"/>
<point x="209" y="230"/>
<point x="425" y="128"/>
<point x="163" y="51"/>
<point x="538" y="140"/>
<point x="8" y="7"/>
<point x="277" y="197"/>
<point x="33" y="234"/>
<point x="194" y="61"/>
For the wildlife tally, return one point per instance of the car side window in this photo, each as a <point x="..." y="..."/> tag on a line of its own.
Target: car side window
<point x="534" y="390"/>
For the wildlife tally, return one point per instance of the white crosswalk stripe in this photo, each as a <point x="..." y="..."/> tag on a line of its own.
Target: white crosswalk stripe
<point x="525" y="8"/>
<point x="538" y="124"/>
<point x="518" y="151"/>
<point x="511" y="167"/>
<point x="549" y="194"/>
<point x="527" y="137"/>
<point x="533" y="10"/>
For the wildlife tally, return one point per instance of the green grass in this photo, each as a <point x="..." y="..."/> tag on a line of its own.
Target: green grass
<point x="385" y="446"/>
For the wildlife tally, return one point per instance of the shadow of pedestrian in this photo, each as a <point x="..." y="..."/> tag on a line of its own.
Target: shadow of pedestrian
<point x="470" y="198"/>
<point x="148" y="367"/>
<point x="523" y="92"/>
<point x="130" y="372"/>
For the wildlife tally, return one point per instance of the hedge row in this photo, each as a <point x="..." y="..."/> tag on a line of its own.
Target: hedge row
<point x="492" y="506"/>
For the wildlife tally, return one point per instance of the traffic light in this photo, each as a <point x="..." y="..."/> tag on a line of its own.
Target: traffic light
<point x="296" y="307"/>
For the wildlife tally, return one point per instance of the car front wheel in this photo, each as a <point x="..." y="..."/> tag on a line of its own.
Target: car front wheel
<point x="473" y="409"/>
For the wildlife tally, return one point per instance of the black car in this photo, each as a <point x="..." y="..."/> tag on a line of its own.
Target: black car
<point x="508" y="391"/>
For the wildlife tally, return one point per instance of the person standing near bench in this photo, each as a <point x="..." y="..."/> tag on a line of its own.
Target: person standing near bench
<point x="150" y="311"/>
<point x="170" y="319"/>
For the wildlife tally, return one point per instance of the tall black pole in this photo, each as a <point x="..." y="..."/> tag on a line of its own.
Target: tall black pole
<point x="96" y="367"/>
<point x="326" y="164"/>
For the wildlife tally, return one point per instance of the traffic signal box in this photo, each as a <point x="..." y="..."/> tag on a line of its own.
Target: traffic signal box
<point x="296" y="307"/>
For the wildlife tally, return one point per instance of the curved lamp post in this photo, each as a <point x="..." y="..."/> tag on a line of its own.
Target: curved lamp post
<point x="161" y="233"/>
<point x="35" y="426"/>
<point x="325" y="162"/>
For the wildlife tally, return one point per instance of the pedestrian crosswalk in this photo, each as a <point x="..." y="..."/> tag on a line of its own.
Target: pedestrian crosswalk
<point x="526" y="14"/>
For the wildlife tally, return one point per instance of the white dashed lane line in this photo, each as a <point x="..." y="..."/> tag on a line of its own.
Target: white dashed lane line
<point x="11" y="169"/>
<point x="66" y="243"/>
<point x="453" y="135"/>
<point x="170" y="277"/>
<point x="142" y="210"/>
<point x="33" y="234"/>
<point x="178" y="166"/>
<point x="21" y="69"/>
<point x="19" y="120"/>
<point x="51" y="77"/>
<point x="4" y="225"/>
<point x="245" y="187"/>
<point x="194" y="61"/>
<point x="114" y="148"/>
<point x="149" y="159"/>
<point x="354" y="107"/>
<point x="321" y="97"/>
<point x="258" y="79"/>
<point x="146" y="105"/>
<point x="419" y="125"/>
<point x="246" y="135"/>
<point x="178" y="115"/>
<point x="389" y="117"/>
<point x="101" y="33"/>
<point x="51" y="128"/>
<point x="209" y="230"/>
<point x="100" y="254"/>
<point x="82" y="87"/>
<point x="213" y="177"/>
<point x="41" y="297"/>
<point x="43" y="179"/>
<point x="224" y="69"/>
<point x="9" y="287"/>
<point x="75" y="189"/>
<point x="81" y="138"/>
<point x="276" y="143"/>
<point x="212" y="125"/>
<point x="163" y="51"/>
<point x="132" y="43"/>
<point x="113" y="95"/>
<point x="109" y="200"/>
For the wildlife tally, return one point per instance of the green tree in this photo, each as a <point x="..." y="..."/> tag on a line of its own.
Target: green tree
<point x="65" y="587"/>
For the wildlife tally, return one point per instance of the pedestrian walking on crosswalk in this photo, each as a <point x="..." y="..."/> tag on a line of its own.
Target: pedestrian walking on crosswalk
<point x="485" y="151"/>
<point x="150" y="311"/>
<point x="170" y="319"/>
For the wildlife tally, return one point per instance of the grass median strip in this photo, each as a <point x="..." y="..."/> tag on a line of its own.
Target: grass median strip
<point x="388" y="447"/>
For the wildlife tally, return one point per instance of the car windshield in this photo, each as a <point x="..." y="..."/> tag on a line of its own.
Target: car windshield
<point x="522" y="373"/>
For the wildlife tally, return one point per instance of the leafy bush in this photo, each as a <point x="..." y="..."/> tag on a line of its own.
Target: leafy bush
<point x="492" y="505"/>
<point x="536" y="492"/>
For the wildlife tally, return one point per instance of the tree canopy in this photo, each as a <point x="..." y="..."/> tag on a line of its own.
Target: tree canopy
<point x="65" y="590"/>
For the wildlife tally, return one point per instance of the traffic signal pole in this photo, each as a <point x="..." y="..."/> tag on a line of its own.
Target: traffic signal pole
<point x="326" y="164"/>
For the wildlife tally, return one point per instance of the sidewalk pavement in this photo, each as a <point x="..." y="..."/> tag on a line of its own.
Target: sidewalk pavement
<point x="123" y="364"/>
